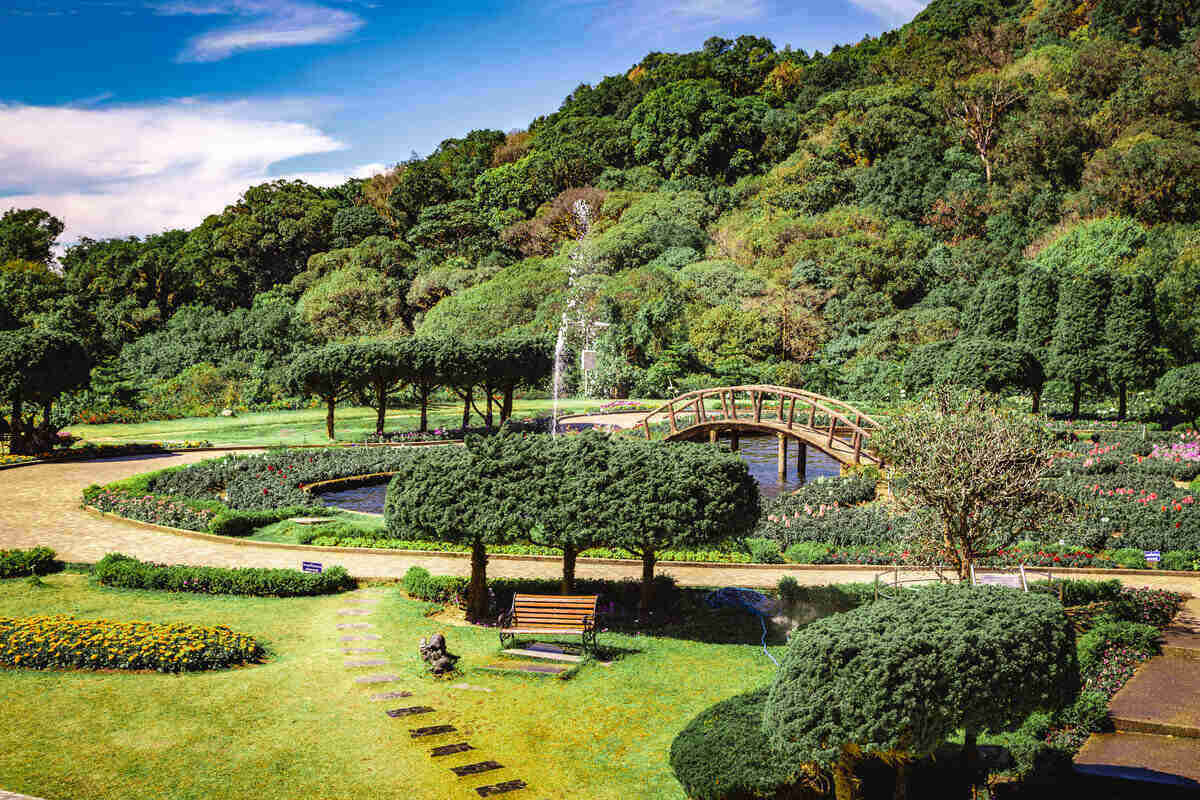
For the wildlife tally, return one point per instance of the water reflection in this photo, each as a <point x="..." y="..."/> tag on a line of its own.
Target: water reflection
<point x="760" y="452"/>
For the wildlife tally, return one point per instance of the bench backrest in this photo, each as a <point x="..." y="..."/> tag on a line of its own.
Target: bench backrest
<point x="553" y="611"/>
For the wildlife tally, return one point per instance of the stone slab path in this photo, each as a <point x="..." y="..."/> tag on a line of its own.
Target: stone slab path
<point x="39" y="505"/>
<point x="1156" y="715"/>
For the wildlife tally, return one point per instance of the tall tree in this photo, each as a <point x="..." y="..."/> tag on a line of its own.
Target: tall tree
<point x="1037" y="304"/>
<point x="998" y="314"/>
<point x="421" y="362"/>
<point x="1076" y="351"/>
<point x="28" y="234"/>
<point x="379" y="371"/>
<point x="1131" y="335"/>
<point x="329" y="372"/>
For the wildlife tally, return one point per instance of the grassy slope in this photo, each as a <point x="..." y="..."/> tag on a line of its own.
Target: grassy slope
<point x="305" y="426"/>
<point x="299" y="726"/>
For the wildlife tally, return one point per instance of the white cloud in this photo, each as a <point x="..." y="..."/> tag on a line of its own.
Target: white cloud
<point x="637" y="18"/>
<point x="893" y="12"/>
<point x="117" y="171"/>
<point x="268" y="24"/>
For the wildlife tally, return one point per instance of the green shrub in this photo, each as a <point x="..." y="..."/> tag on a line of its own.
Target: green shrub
<point x="828" y="598"/>
<point x="1088" y="714"/>
<point x="806" y="552"/>
<point x="723" y="754"/>
<point x="1079" y="592"/>
<point x="1179" y="390"/>
<point x="34" y="561"/>
<point x="420" y="584"/>
<point x="245" y="523"/>
<point x="764" y="551"/>
<point x="1188" y="560"/>
<point x="48" y="642"/>
<point x="906" y="673"/>
<point x="1129" y="558"/>
<point x="125" y="572"/>
<point x="1093" y="644"/>
<point x="789" y="589"/>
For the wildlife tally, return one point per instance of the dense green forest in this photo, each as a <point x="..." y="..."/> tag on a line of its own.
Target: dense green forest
<point x="1001" y="192"/>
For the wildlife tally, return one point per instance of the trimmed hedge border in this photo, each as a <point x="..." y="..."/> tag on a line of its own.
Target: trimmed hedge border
<point x="714" y="565"/>
<point x="127" y="572"/>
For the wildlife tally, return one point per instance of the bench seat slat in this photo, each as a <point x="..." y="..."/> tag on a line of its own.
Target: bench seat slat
<point x="542" y="630"/>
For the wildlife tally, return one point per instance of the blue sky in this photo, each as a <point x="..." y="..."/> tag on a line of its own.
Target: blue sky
<point x="132" y="116"/>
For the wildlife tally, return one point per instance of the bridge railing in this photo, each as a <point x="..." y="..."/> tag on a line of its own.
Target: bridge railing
<point x="838" y="421"/>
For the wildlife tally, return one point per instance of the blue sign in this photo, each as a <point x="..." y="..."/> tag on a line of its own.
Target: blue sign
<point x="1152" y="556"/>
<point x="310" y="566"/>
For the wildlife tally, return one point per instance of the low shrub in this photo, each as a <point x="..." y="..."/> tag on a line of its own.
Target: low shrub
<point x="837" y="525"/>
<point x="1079" y="592"/>
<point x="62" y="641"/>
<point x="807" y="553"/>
<point x="23" y="563"/>
<point x="723" y="754"/>
<point x="1186" y="560"/>
<point x="245" y="523"/>
<point x="1129" y="558"/>
<point x="125" y="572"/>
<point x="764" y="551"/>
<point x="1099" y="640"/>
<point x="826" y="599"/>
<point x="420" y="584"/>
<point x="1148" y="606"/>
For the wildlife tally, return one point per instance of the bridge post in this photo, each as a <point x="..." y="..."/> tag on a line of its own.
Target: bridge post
<point x="782" y="457"/>
<point x="733" y="441"/>
<point x="801" y="461"/>
<point x="712" y="436"/>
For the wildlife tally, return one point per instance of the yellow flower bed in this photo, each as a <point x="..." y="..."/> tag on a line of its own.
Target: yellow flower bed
<point x="46" y="642"/>
<point x="10" y="459"/>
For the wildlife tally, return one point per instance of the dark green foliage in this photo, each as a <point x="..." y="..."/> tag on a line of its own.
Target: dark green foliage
<point x="420" y="584"/>
<point x="244" y="523"/>
<point x="998" y="313"/>
<point x="903" y="674"/>
<point x="992" y="366"/>
<point x="128" y="573"/>
<point x="926" y="364"/>
<point x="723" y="754"/>
<point x="329" y="372"/>
<point x="827" y="599"/>
<point x="1037" y="303"/>
<point x="33" y="561"/>
<point x="1079" y="592"/>
<point x="28" y="234"/>
<point x="1179" y="390"/>
<point x="1076" y="351"/>
<point x="1131" y="335"/>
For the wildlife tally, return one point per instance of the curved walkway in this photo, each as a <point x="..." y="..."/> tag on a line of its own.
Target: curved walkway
<point x="40" y="505"/>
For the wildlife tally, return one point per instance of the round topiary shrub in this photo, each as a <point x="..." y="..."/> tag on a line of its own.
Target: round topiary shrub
<point x="1179" y="390"/>
<point x="898" y="677"/>
<point x="723" y="754"/>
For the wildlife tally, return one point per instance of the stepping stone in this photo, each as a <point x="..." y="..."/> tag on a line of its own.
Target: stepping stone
<point x="469" y="687"/>
<point x="545" y="648"/>
<point x="352" y="625"/>
<point x="353" y="612"/>
<point x="450" y="749"/>
<point x="349" y="651"/>
<point x="432" y="730"/>
<point x="377" y="679"/>
<point x="390" y="696"/>
<point x="370" y="662"/>
<point x="500" y="788"/>
<point x="532" y="653"/>
<point x="475" y="769"/>
<point x="1163" y="697"/>
<point x="310" y="520"/>
<point x="544" y="669"/>
<point x="408" y="712"/>
<point x="361" y="637"/>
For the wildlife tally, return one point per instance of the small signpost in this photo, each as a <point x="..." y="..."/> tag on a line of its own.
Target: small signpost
<point x="310" y="566"/>
<point x="1152" y="556"/>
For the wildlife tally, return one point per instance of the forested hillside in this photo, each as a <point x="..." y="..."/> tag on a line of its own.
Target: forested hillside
<point x="1002" y="192"/>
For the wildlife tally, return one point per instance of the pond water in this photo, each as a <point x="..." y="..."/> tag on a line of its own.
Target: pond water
<point x="758" y="451"/>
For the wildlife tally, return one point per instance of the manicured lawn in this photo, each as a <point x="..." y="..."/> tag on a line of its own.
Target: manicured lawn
<point x="299" y="726"/>
<point x="306" y="426"/>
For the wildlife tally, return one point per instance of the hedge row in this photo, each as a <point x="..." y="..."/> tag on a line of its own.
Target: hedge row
<point x="34" y="561"/>
<point x="123" y="571"/>
<point x="46" y="642"/>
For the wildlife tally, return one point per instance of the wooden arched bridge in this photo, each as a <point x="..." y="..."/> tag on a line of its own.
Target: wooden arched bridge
<point x="832" y="426"/>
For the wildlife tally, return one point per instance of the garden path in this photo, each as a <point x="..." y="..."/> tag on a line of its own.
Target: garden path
<point x="40" y="505"/>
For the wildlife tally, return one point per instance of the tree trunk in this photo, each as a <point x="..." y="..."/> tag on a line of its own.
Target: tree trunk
<point x="477" y="593"/>
<point x="846" y="785"/>
<point x="466" y="420"/>
<point x="506" y="409"/>
<point x="47" y="407"/>
<point x="424" y="409"/>
<point x="487" y="418"/>
<point x="1076" y="396"/>
<point x="568" y="578"/>
<point x="17" y="443"/>
<point x="1122" y="407"/>
<point x="647" y="597"/>
<point x="970" y="755"/>
<point x="380" y="408"/>
<point x="901" y="790"/>
<point x="1037" y="401"/>
<point x="331" y="402"/>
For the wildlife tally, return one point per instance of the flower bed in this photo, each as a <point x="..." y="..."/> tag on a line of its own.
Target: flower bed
<point x="125" y="572"/>
<point x="152" y="508"/>
<point x="62" y="641"/>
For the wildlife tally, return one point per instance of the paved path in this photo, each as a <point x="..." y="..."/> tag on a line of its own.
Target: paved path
<point x="40" y="505"/>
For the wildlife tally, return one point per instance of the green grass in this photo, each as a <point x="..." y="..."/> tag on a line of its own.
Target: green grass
<point x="306" y="426"/>
<point x="299" y="725"/>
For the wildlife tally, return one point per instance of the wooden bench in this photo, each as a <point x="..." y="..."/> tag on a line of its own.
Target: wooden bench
<point x="551" y="615"/>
